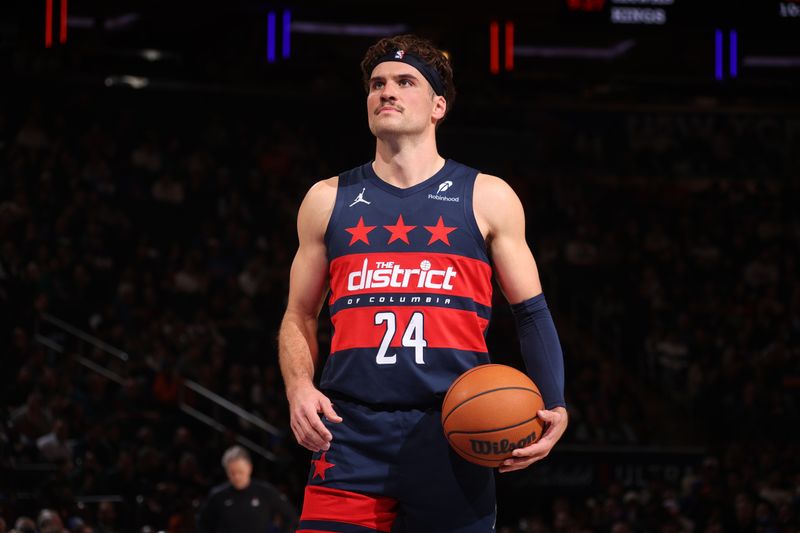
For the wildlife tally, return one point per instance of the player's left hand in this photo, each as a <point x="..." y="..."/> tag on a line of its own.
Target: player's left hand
<point x="555" y="426"/>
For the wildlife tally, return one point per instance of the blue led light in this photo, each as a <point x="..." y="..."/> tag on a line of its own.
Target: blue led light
<point x="271" y="37"/>
<point x="287" y="32"/>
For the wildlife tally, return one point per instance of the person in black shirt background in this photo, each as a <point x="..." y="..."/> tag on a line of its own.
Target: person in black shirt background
<point x="245" y="505"/>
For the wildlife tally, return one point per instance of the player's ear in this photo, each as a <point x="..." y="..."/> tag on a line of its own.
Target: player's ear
<point x="439" y="107"/>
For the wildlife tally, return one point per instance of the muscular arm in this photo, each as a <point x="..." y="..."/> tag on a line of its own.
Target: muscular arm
<point x="297" y="340"/>
<point x="501" y="219"/>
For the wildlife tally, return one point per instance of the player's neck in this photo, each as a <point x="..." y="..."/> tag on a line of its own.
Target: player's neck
<point x="406" y="165"/>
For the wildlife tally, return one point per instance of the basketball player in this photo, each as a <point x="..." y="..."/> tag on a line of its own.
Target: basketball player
<point x="406" y="245"/>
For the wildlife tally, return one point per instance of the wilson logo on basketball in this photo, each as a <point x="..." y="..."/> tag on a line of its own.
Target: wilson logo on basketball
<point x="488" y="447"/>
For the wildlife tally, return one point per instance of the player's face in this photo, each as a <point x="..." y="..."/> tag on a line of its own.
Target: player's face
<point x="400" y="100"/>
<point x="238" y="472"/>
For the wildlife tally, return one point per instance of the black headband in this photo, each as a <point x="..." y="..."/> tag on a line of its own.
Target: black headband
<point x="430" y="73"/>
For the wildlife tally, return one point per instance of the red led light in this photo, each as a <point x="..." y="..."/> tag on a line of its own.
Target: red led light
<point x="494" y="47"/>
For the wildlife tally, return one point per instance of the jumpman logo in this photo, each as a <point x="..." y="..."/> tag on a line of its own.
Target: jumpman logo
<point x="360" y="198"/>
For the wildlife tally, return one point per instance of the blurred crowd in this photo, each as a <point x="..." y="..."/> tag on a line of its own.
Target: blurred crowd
<point x="170" y="236"/>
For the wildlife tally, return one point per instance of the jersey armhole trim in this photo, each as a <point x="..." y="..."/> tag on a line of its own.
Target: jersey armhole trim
<point x="337" y="209"/>
<point x="469" y="212"/>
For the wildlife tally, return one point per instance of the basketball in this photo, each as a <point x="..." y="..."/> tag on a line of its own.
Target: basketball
<point x="489" y="411"/>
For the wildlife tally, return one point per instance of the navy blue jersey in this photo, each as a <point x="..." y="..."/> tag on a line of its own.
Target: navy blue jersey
<point x="410" y="285"/>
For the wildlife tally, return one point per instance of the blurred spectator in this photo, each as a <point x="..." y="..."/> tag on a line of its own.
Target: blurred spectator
<point x="32" y="419"/>
<point x="245" y="505"/>
<point x="55" y="446"/>
<point x="166" y="383"/>
<point x="25" y="525"/>
<point x="107" y="521"/>
<point x="49" y="521"/>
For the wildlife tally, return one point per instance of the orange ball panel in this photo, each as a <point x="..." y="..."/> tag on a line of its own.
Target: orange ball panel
<point x="493" y="447"/>
<point x="489" y="411"/>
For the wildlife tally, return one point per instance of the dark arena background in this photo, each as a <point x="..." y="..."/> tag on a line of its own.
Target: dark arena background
<point x="153" y="155"/>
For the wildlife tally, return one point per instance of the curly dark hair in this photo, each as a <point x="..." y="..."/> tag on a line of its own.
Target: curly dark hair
<point x="420" y="47"/>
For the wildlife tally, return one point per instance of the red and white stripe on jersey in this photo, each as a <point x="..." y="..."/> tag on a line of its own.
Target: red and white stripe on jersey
<point x="411" y="272"/>
<point x="444" y="328"/>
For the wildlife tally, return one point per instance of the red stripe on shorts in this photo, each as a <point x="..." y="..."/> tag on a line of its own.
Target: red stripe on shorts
<point x="336" y="505"/>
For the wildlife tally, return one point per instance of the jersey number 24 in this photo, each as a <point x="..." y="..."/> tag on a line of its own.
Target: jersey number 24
<point x="413" y="337"/>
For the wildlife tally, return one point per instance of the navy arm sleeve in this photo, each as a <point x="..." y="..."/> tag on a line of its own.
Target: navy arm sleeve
<point x="541" y="349"/>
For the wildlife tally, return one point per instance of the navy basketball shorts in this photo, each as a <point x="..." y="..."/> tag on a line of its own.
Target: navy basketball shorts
<point x="393" y="470"/>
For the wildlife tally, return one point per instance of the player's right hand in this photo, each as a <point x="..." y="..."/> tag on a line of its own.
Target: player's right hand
<point x="305" y="406"/>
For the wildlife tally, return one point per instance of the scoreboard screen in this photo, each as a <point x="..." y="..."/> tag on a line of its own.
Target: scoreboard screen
<point x="789" y="9"/>
<point x="756" y="14"/>
<point x="625" y="12"/>
<point x="639" y="11"/>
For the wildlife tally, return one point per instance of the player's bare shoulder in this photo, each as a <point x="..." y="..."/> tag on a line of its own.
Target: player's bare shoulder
<point x="490" y="190"/>
<point x="494" y="202"/>
<point x="317" y="206"/>
<point x="322" y="194"/>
